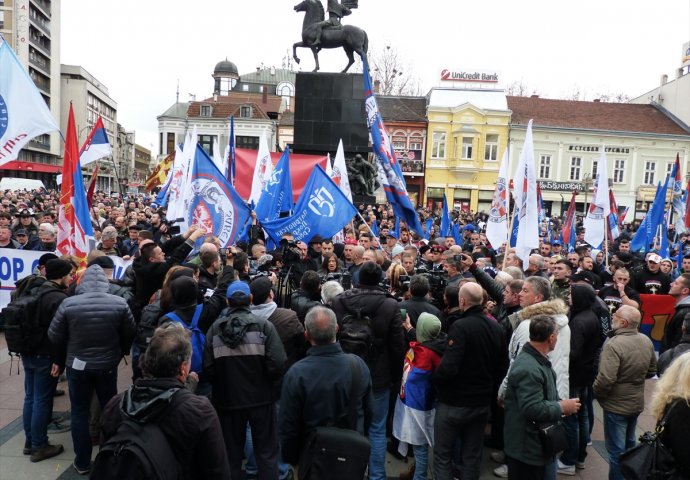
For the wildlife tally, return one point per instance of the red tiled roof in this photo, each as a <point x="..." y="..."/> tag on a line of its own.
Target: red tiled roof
<point x="621" y="117"/>
<point x="228" y="105"/>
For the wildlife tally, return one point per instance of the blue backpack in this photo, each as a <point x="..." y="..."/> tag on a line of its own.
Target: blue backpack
<point x="198" y="337"/>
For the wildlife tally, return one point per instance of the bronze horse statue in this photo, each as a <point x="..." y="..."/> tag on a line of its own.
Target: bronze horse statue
<point x="350" y="38"/>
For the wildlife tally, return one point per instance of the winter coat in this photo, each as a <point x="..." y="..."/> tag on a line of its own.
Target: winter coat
<point x="585" y="337"/>
<point x="191" y="425"/>
<point x="52" y="296"/>
<point x="626" y="360"/>
<point x="675" y="436"/>
<point x="415" y="306"/>
<point x="97" y="327"/>
<point x="389" y="338"/>
<point x="530" y="398"/>
<point x="301" y="302"/>
<point x="672" y="331"/>
<point x="560" y="357"/>
<point x="289" y="328"/>
<point x="672" y="353"/>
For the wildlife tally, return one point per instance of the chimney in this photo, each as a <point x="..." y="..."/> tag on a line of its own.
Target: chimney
<point x="264" y="97"/>
<point x="664" y="79"/>
<point x="597" y="100"/>
<point x="215" y="96"/>
<point x="536" y="95"/>
<point x="377" y="86"/>
<point x="679" y="72"/>
<point x="273" y="70"/>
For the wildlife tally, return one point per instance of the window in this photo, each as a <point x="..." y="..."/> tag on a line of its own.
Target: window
<point x="261" y="89"/>
<point x="649" y="169"/>
<point x="575" y="164"/>
<point x="171" y="143"/>
<point x="467" y="148"/>
<point x="245" y="87"/>
<point x="669" y="167"/>
<point x="544" y="166"/>
<point x="491" y="148"/>
<point x="247" y="142"/>
<point x="399" y="145"/>
<point x="438" y="148"/>
<point x="206" y="110"/>
<point x="595" y="168"/>
<point x="618" y="171"/>
<point x="245" y="112"/>
<point x="206" y="142"/>
<point x="415" y="145"/>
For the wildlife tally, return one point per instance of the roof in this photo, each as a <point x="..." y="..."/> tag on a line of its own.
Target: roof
<point x="226" y="109"/>
<point x="484" y="99"/>
<point x="233" y="101"/>
<point x="269" y="76"/>
<point x="617" y="117"/>
<point x="225" y="67"/>
<point x="402" y="109"/>
<point x="287" y="119"/>
<point x="177" y="110"/>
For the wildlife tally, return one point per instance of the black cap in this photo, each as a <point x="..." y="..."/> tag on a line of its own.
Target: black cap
<point x="103" y="261"/>
<point x="57" y="269"/>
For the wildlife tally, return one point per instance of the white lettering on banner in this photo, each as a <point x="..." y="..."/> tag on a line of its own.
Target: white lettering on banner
<point x="298" y="227"/>
<point x="17" y="264"/>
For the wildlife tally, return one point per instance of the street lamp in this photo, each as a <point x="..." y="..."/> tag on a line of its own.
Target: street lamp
<point x="586" y="182"/>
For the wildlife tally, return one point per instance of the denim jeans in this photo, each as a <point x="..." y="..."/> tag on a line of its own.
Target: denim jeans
<point x="82" y="384"/>
<point x="377" y="435"/>
<point x="421" y="460"/>
<point x="619" y="435"/>
<point x="577" y="430"/>
<point x="39" y="387"/>
<point x="467" y="424"/>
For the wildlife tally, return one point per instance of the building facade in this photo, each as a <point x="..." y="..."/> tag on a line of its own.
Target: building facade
<point x="640" y="142"/>
<point x="467" y="134"/>
<point x="32" y="28"/>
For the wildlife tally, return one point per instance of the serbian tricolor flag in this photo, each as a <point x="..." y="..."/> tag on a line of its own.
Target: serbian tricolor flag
<point x="96" y="145"/>
<point x="568" y="233"/>
<point x="74" y="224"/>
<point x="614" y="230"/>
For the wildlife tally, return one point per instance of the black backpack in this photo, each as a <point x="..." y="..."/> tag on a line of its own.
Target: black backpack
<point x="150" y="316"/>
<point x="357" y="335"/>
<point x="21" y="319"/>
<point x="140" y="450"/>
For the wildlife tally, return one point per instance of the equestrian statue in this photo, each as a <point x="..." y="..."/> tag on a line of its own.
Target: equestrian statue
<point x="319" y="33"/>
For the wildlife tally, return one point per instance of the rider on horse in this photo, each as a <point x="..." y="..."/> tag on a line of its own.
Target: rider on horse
<point x="336" y="11"/>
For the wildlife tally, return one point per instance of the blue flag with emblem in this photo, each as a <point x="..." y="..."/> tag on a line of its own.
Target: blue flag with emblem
<point x="276" y="197"/>
<point x="429" y="223"/>
<point x="445" y="219"/>
<point x="213" y="203"/>
<point x="321" y="209"/>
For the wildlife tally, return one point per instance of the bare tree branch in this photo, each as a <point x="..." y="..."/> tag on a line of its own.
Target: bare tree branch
<point x="392" y="72"/>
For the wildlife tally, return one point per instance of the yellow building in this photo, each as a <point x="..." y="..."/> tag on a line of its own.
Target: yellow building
<point x="467" y="135"/>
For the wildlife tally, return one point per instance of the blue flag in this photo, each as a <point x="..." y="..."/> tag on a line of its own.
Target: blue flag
<point x="647" y="231"/>
<point x="321" y="209"/>
<point x="429" y="223"/>
<point x="230" y="161"/>
<point x="445" y="219"/>
<point x="390" y="173"/>
<point x="213" y="203"/>
<point x="455" y="230"/>
<point x="397" y="227"/>
<point x="516" y="227"/>
<point x="375" y="228"/>
<point x="277" y="196"/>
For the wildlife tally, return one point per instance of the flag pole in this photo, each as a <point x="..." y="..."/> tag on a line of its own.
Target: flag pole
<point x="606" y="241"/>
<point x="370" y="230"/>
<point x="510" y="231"/>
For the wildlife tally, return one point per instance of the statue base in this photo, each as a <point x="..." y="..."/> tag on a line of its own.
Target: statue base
<point x="358" y="200"/>
<point x="330" y="107"/>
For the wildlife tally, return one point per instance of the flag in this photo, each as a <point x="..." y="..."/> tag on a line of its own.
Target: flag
<point x="230" y="153"/>
<point x="214" y="204"/>
<point x="621" y="218"/>
<point x="390" y="174"/>
<point x="396" y="227"/>
<point x="427" y="227"/>
<point x="446" y="229"/>
<point x="339" y="175"/>
<point x="497" y="224"/>
<point x="164" y="193"/>
<point x="329" y="167"/>
<point x="277" y="195"/>
<point x="321" y="209"/>
<point x="262" y="171"/>
<point x="687" y="206"/>
<point x="179" y="186"/>
<point x="614" y="231"/>
<point x="218" y="158"/>
<point x="525" y="182"/>
<point x="599" y="208"/>
<point x="96" y="145"/>
<point x="677" y="198"/>
<point x="74" y="223"/>
<point x="541" y="216"/>
<point x="23" y="112"/>
<point x="375" y="228"/>
<point x="457" y="236"/>
<point x="92" y="186"/>
<point x="647" y="231"/>
<point x="160" y="172"/>
<point x="568" y="234"/>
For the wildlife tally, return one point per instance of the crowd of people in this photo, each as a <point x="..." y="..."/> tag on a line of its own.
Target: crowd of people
<point x="452" y="337"/>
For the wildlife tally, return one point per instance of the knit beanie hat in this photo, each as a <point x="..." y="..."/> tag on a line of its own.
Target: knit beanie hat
<point x="184" y="291"/>
<point x="57" y="268"/>
<point x="428" y="327"/>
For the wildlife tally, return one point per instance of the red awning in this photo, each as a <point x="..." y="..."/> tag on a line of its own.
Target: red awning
<point x="31" y="167"/>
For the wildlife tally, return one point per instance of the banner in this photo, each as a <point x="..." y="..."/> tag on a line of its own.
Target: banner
<point x="657" y="311"/>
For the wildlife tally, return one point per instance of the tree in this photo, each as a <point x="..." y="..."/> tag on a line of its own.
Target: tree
<point x="393" y="74"/>
<point x="520" y="88"/>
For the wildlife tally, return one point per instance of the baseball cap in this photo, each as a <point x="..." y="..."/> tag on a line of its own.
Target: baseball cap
<point x="238" y="290"/>
<point x="556" y="242"/>
<point x="655" y="258"/>
<point x="392" y="234"/>
<point x="397" y="250"/>
<point x="21" y="231"/>
<point x="468" y="227"/>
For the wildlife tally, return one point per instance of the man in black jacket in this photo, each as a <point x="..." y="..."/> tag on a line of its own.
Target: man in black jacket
<point x="680" y="291"/>
<point x="42" y="364"/>
<point x="418" y="304"/>
<point x="307" y="296"/>
<point x="471" y="369"/>
<point x="651" y="280"/>
<point x="388" y="352"/>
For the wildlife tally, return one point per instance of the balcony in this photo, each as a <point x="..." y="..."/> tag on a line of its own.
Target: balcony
<point x="463" y="165"/>
<point x="43" y="6"/>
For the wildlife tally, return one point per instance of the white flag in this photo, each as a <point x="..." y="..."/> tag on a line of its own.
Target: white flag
<point x="599" y="209"/>
<point x="23" y="112"/>
<point x="262" y="171"/>
<point x="180" y="181"/>
<point x="525" y="182"/>
<point x="217" y="159"/>
<point x="497" y="225"/>
<point x="339" y="174"/>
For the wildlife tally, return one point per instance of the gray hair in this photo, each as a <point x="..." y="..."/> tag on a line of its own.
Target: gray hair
<point x="170" y="347"/>
<point x="109" y="233"/>
<point x="330" y="290"/>
<point x="514" y="272"/>
<point x="502" y="278"/>
<point x="541" y="286"/>
<point x="321" y="324"/>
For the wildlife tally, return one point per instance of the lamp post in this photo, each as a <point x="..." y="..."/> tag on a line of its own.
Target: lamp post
<point x="586" y="182"/>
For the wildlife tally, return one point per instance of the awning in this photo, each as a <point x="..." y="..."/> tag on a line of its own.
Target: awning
<point x="31" y="167"/>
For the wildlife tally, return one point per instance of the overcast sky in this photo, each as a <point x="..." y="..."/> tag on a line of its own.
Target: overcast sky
<point x="140" y="49"/>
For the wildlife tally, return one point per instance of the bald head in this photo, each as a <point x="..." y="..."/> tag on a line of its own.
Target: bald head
<point x="629" y="314"/>
<point x="470" y="294"/>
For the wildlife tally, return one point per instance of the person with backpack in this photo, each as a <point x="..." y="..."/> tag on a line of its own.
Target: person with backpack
<point x="185" y="438"/>
<point x="40" y="358"/>
<point x="371" y="326"/>
<point x="31" y="282"/>
<point x="97" y="329"/>
<point x="244" y="360"/>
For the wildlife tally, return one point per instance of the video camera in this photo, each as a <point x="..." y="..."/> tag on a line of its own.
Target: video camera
<point x="344" y="279"/>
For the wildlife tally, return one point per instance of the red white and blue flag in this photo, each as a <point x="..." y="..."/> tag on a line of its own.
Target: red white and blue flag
<point x="390" y="173"/>
<point x="96" y="145"/>
<point x="74" y="223"/>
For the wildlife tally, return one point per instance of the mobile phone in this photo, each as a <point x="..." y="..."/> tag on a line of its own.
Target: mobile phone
<point x="403" y="313"/>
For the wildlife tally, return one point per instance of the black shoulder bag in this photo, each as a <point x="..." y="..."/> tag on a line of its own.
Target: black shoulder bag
<point x="334" y="453"/>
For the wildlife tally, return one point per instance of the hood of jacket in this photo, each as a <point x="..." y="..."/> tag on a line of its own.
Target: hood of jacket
<point x="93" y="280"/>
<point x="554" y="308"/>
<point x="437" y="344"/>
<point x="264" y="310"/>
<point x="233" y="330"/>
<point x="148" y="398"/>
<point x="683" y="303"/>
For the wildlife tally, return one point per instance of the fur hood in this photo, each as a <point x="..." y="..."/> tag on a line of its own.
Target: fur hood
<point x="556" y="308"/>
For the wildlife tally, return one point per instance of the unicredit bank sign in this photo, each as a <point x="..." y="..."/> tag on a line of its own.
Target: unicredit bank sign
<point x="471" y="76"/>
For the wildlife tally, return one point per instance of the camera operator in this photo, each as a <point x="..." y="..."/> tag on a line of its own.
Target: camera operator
<point x="307" y="295"/>
<point x="417" y="304"/>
